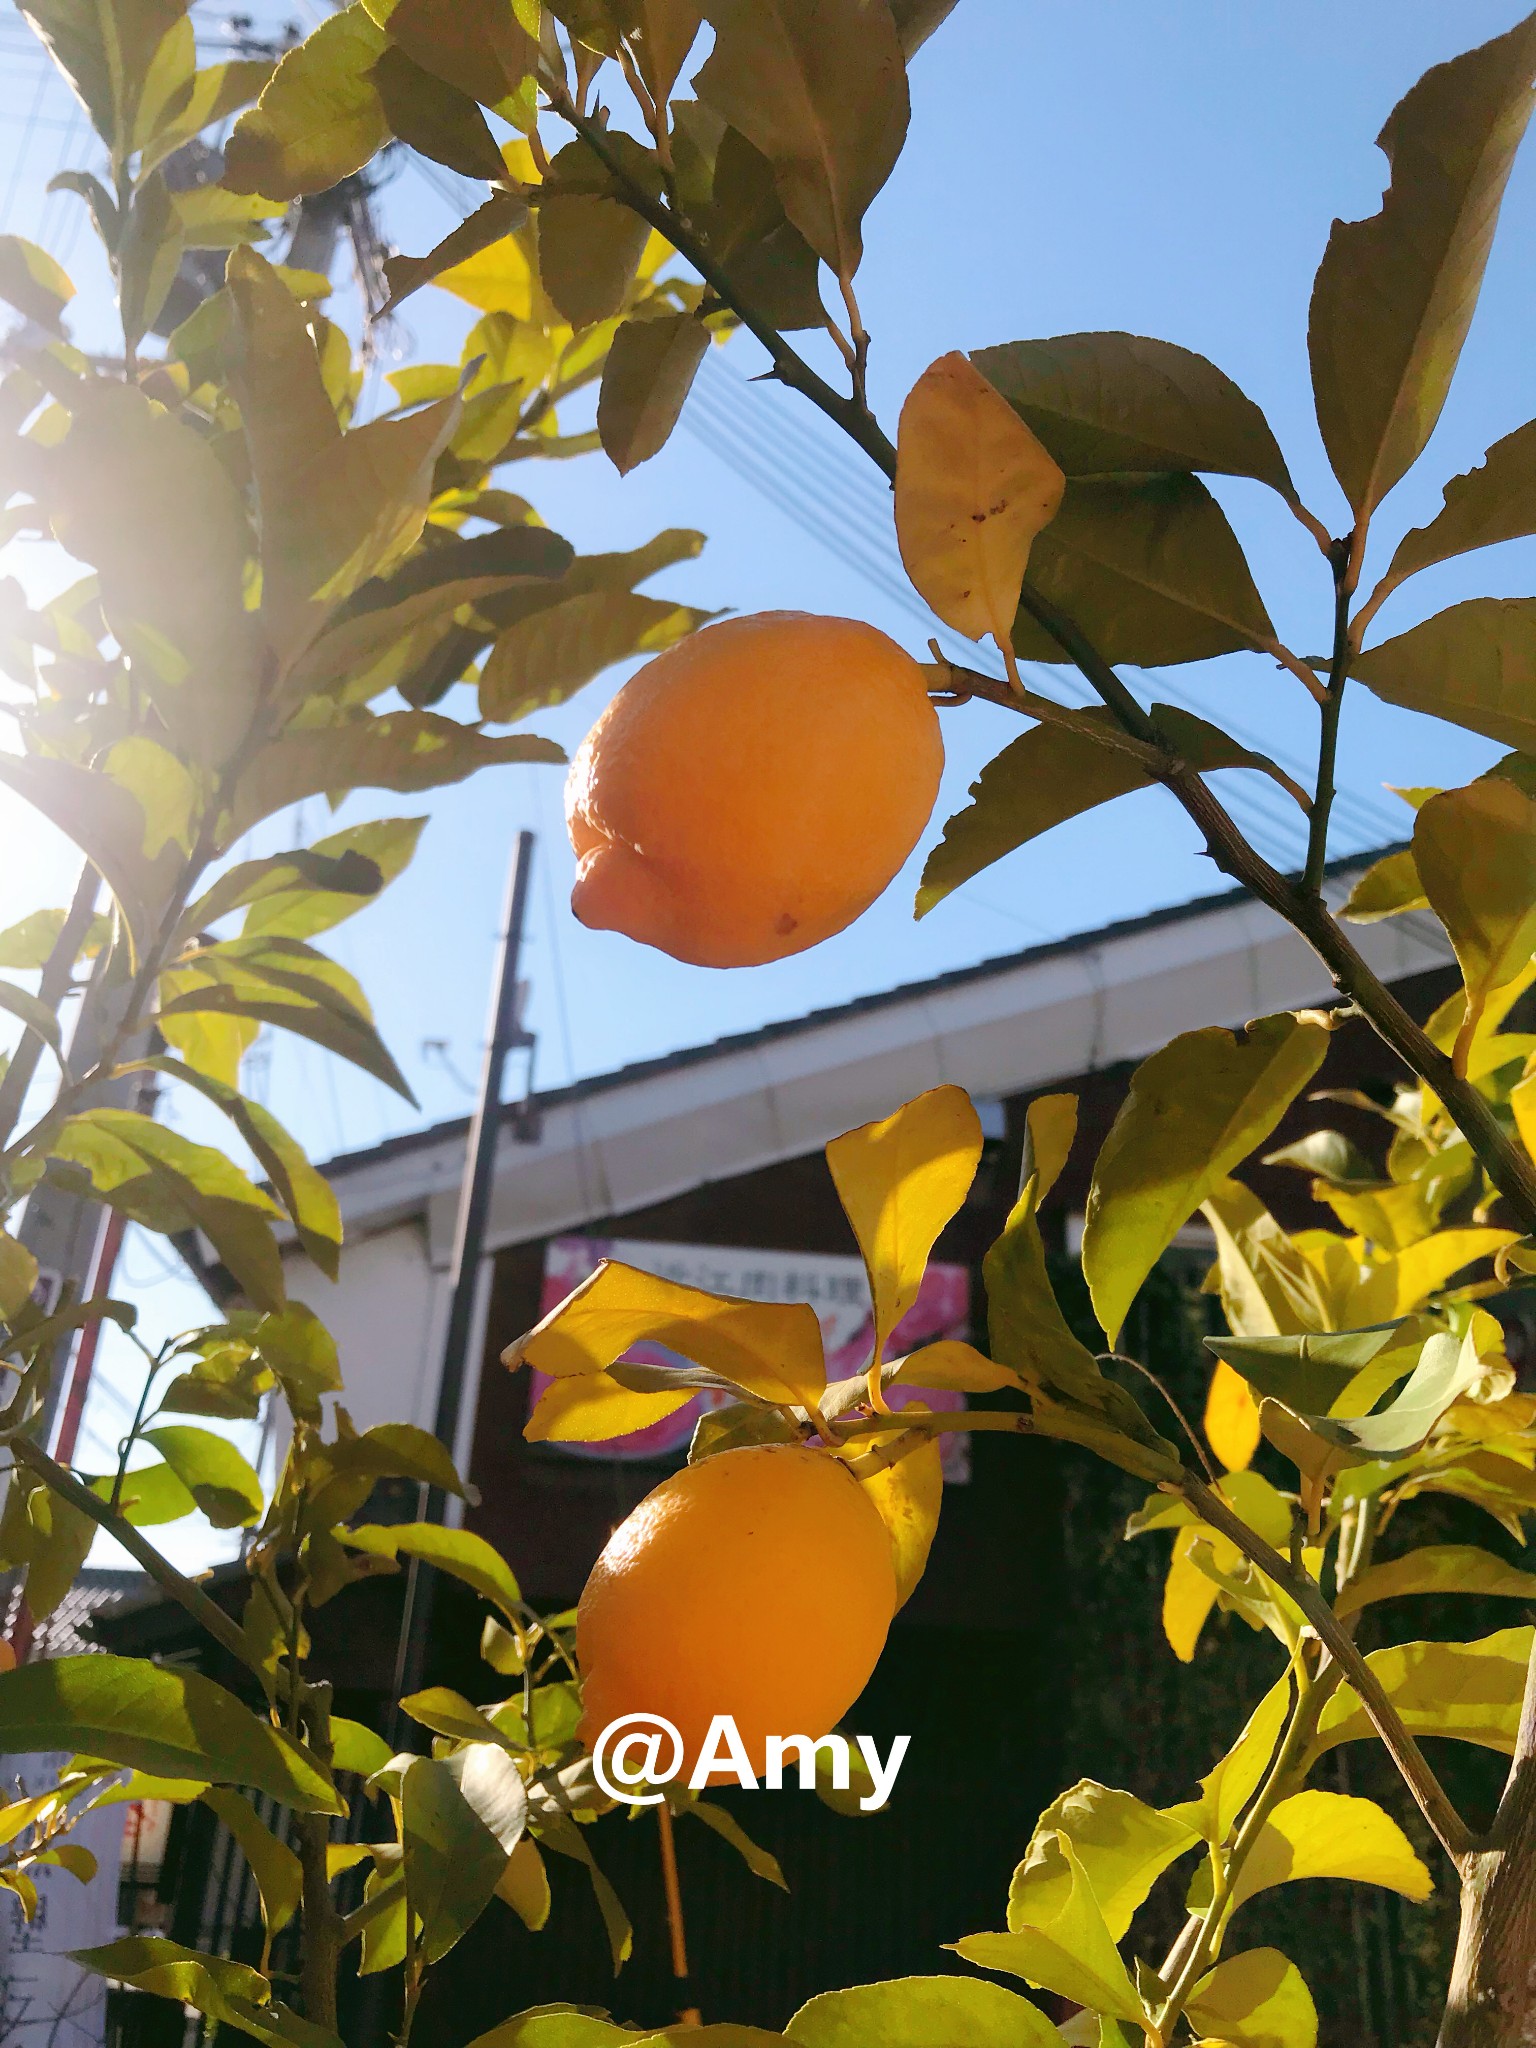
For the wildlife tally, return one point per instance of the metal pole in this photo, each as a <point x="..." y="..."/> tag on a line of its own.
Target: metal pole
<point x="469" y="1241"/>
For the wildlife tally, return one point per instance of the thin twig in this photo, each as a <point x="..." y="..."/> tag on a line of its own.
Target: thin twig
<point x="1124" y="1358"/>
<point x="1328" y="736"/>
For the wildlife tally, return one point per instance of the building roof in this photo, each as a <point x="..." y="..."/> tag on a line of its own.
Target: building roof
<point x="620" y="1141"/>
<point x="67" y="1631"/>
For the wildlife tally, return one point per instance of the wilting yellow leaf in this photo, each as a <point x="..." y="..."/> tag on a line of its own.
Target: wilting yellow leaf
<point x="900" y="1182"/>
<point x="771" y="1349"/>
<point x="1231" y="1418"/>
<point x="973" y="488"/>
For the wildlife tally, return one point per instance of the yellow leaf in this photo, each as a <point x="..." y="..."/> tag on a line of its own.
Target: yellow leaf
<point x="1229" y="1785"/>
<point x="1231" y="1418"/>
<point x="1255" y="2000"/>
<point x="1326" y="1834"/>
<point x="1476" y="852"/>
<point x="590" y="1408"/>
<point x="1123" y="1845"/>
<point x="1188" y="1595"/>
<point x="771" y="1349"/>
<point x="1470" y="1692"/>
<point x="524" y="1885"/>
<point x="18" y="1275"/>
<point x="900" y="1182"/>
<point x="1050" y="1125"/>
<point x="1425" y="1268"/>
<point x="497" y="280"/>
<point x="907" y="1497"/>
<point x="1056" y="1938"/>
<point x="973" y="488"/>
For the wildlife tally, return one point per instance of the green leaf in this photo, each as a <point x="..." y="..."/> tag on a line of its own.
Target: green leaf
<point x="819" y="87"/>
<point x="149" y="252"/>
<point x="387" y="845"/>
<point x="320" y="117"/>
<point x="107" y="825"/>
<point x="591" y="243"/>
<point x="1108" y="404"/>
<point x="160" y="1179"/>
<point x="1469" y="1692"/>
<point x="1446" y="1369"/>
<point x="1192" y="1112"/>
<point x="173" y="1724"/>
<point x="28" y="944"/>
<point x="406" y="751"/>
<point x="1150" y="568"/>
<point x="1057" y="1939"/>
<point x="217" y="91"/>
<point x="218" y="1478"/>
<point x="460" y="1819"/>
<point x="1047" y="775"/>
<point x="458" y="1552"/>
<point x="37" y="1017"/>
<point x="1122" y="1844"/>
<point x="303" y="1191"/>
<point x="49" y="1536"/>
<point x="1029" y="1334"/>
<point x="356" y="1748"/>
<point x="1258" y="1999"/>
<point x="649" y="372"/>
<point x="431" y="116"/>
<point x="287" y="983"/>
<point x="105" y="54"/>
<point x="1474" y="664"/>
<point x="922" y="2012"/>
<point x="1388" y="887"/>
<point x="484" y="47"/>
<point x="1437" y="1568"/>
<point x="1229" y="1785"/>
<point x="1492" y="503"/>
<point x="729" y="1829"/>
<point x="1395" y="294"/>
<point x="544" y="659"/>
<point x="151" y="1963"/>
<point x="1475" y="850"/>
<point x="151" y="1494"/>
<point x="1311" y="1372"/>
<point x="1326" y="1834"/>
<point x="488" y="224"/>
<point x="32" y="282"/>
<point x="279" y="1877"/>
<point x="307" y="873"/>
<point x="1330" y="1156"/>
<point x="145" y="501"/>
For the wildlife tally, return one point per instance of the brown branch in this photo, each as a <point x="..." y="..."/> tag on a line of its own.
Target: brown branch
<point x="1434" y="1803"/>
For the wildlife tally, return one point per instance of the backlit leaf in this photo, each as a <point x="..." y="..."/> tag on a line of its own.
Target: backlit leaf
<point x="819" y="87"/>
<point x="544" y="659"/>
<point x="32" y="282"/>
<point x="429" y="115"/>
<point x="1258" y="1999"/>
<point x="1492" y="503"/>
<point x="459" y="1552"/>
<point x="173" y="1724"/>
<point x="1470" y="1692"/>
<point x="646" y="380"/>
<point x="486" y="226"/>
<point x="922" y="2012"/>
<point x="1475" y="849"/>
<point x="279" y="1879"/>
<point x="1050" y="1129"/>
<point x="900" y="1181"/>
<point x="484" y="47"/>
<point x="1122" y="1845"/>
<point x="151" y="1963"/>
<point x="524" y="1885"/>
<point x="771" y="1349"/>
<point x="973" y="489"/>
<point x="1192" y="1112"/>
<point x="590" y="1408"/>
<point x="1105" y="404"/>
<point x="1231" y="1418"/>
<point x="1395" y="293"/>
<point x="1150" y="568"/>
<point x="1326" y="1834"/>
<point x="319" y="118"/>
<point x="1388" y="887"/>
<point x="218" y="1478"/>
<point x="1474" y="664"/>
<point x="1056" y="1938"/>
<point x="907" y="1496"/>
<point x="1437" y="1568"/>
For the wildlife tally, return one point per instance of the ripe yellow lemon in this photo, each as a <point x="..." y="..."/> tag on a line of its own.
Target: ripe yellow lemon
<point x="753" y="789"/>
<point x="758" y="1583"/>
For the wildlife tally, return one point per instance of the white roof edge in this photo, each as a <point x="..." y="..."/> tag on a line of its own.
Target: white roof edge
<point x="645" y="1137"/>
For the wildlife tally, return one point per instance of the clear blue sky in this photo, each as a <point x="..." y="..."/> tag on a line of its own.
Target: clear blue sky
<point x="1170" y="170"/>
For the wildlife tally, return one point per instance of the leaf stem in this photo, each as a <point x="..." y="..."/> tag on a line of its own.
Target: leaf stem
<point x="184" y="1591"/>
<point x="1328" y="734"/>
<point x="1455" y="1836"/>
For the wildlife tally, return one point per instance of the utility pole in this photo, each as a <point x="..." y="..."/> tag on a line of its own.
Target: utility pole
<point x="506" y="1035"/>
